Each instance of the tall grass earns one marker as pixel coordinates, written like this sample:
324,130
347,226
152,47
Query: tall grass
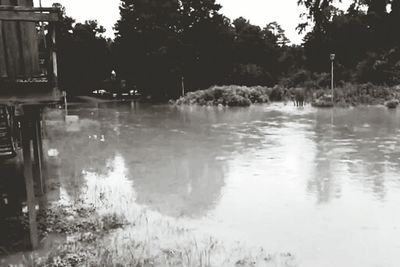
355,94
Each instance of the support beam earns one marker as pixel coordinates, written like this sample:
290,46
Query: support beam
27,8
27,16
41,153
37,153
28,175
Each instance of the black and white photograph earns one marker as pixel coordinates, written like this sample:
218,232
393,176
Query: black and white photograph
199,133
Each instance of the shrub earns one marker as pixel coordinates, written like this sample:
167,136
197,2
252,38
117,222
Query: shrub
392,103
227,96
277,94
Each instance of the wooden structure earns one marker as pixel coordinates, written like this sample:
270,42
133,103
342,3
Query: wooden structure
23,69
28,81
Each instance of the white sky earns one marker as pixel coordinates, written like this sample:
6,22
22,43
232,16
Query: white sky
259,12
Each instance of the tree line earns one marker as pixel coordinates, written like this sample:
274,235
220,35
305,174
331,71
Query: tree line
160,44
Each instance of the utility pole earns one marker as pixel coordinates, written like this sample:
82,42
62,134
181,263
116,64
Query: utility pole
332,61
183,86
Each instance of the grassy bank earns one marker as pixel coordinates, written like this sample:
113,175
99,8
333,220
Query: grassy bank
345,95
105,227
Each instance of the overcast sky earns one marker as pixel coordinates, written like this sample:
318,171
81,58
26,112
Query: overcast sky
259,12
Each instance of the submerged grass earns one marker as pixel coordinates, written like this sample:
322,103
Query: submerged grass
106,227
110,240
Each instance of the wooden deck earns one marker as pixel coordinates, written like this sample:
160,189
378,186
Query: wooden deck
28,59
32,93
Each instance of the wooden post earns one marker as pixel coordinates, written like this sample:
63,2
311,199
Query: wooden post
28,176
38,153
41,153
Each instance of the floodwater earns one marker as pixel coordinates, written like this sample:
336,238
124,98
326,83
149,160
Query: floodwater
322,184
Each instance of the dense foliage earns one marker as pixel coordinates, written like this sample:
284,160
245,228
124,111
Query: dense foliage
231,96
84,55
160,44
365,39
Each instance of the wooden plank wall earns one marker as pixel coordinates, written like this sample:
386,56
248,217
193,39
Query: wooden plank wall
12,48
19,49
29,44
3,64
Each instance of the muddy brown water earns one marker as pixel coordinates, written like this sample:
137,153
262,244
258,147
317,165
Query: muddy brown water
322,184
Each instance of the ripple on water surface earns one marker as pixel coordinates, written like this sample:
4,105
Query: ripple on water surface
288,179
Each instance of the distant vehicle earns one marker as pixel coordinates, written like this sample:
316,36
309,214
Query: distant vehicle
132,94
102,93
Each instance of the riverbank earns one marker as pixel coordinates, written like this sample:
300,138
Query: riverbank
81,234
101,225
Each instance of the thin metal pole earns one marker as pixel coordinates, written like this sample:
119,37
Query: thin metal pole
183,86
332,80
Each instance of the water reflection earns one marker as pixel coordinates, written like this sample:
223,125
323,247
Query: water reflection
178,157
298,180
360,145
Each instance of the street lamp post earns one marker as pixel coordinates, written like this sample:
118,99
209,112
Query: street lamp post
183,86
332,61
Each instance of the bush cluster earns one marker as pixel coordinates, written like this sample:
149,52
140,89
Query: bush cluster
231,96
347,94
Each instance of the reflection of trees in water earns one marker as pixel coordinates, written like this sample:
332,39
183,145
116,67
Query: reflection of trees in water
85,150
361,144
323,182
177,183
177,156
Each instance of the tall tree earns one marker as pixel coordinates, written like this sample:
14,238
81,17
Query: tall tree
276,33
84,55
207,37
147,44
319,12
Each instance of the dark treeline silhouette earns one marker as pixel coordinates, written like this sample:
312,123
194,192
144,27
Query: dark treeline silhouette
159,42
365,38
85,59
